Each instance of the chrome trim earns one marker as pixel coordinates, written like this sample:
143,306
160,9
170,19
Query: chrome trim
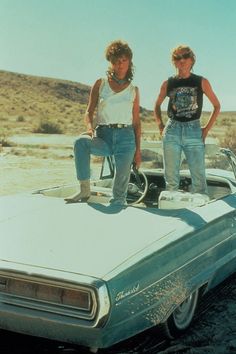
231,158
141,290
104,306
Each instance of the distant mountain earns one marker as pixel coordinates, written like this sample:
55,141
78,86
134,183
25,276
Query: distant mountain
26,99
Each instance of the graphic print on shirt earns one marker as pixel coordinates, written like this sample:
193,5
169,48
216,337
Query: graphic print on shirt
184,101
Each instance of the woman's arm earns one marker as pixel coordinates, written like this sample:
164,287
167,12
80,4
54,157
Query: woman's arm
157,110
137,128
207,89
92,104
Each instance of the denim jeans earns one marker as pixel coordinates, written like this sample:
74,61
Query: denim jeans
184,137
119,142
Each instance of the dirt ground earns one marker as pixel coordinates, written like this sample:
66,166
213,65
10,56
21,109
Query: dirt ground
41,162
21,174
36,162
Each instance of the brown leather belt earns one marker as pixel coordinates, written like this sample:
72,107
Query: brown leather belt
118,125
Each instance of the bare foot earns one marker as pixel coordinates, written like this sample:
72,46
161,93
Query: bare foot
77,198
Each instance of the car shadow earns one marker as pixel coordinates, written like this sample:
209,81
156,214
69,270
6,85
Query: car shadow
188,216
107,208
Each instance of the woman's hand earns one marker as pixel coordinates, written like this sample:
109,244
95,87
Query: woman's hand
137,158
161,127
90,132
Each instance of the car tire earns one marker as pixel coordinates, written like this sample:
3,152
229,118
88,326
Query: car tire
182,317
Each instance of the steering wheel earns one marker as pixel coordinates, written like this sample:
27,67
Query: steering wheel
137,187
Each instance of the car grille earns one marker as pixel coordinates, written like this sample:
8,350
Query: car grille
51,296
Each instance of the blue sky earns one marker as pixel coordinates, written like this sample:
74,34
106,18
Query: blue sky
66,39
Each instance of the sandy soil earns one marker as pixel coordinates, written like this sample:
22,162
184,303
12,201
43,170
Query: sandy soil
36,162
19,174
27,169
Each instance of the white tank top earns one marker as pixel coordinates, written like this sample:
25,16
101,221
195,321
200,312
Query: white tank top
115,107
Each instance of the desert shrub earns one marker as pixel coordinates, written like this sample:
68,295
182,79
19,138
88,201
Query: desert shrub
4,139
4,119
226,119
218,162
20,119
229,139
47,126
44,147
19,152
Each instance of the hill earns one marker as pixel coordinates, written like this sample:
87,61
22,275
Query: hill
27,102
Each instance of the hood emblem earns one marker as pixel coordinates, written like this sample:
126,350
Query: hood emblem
124,293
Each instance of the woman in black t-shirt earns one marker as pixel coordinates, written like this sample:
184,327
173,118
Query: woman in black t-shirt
183,132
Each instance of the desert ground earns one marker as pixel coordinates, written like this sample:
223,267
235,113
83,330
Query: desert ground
36,162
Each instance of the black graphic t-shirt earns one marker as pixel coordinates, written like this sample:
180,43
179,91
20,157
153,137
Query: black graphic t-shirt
185,98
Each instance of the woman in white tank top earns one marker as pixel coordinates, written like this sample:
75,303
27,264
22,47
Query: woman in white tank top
117,130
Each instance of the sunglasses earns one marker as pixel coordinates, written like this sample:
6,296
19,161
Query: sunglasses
182,56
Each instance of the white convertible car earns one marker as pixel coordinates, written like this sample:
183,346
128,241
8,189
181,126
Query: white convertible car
95,275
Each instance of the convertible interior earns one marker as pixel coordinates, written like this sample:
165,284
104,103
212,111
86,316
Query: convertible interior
147,185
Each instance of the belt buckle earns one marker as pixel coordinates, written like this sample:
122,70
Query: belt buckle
119,125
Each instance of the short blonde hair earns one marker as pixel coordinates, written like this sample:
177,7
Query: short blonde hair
182,49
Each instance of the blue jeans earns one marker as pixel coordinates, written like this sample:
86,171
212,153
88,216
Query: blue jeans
119,142
184,137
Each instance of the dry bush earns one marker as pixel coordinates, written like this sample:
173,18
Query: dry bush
44,147
229,139
20,118
4,139
47,126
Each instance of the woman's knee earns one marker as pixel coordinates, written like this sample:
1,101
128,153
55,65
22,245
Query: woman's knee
82,141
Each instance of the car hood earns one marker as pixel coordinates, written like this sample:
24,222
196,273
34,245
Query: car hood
87,239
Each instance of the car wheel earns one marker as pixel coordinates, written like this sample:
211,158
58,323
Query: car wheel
182,316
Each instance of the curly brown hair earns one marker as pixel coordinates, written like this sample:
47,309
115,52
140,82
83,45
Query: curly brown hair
117,49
